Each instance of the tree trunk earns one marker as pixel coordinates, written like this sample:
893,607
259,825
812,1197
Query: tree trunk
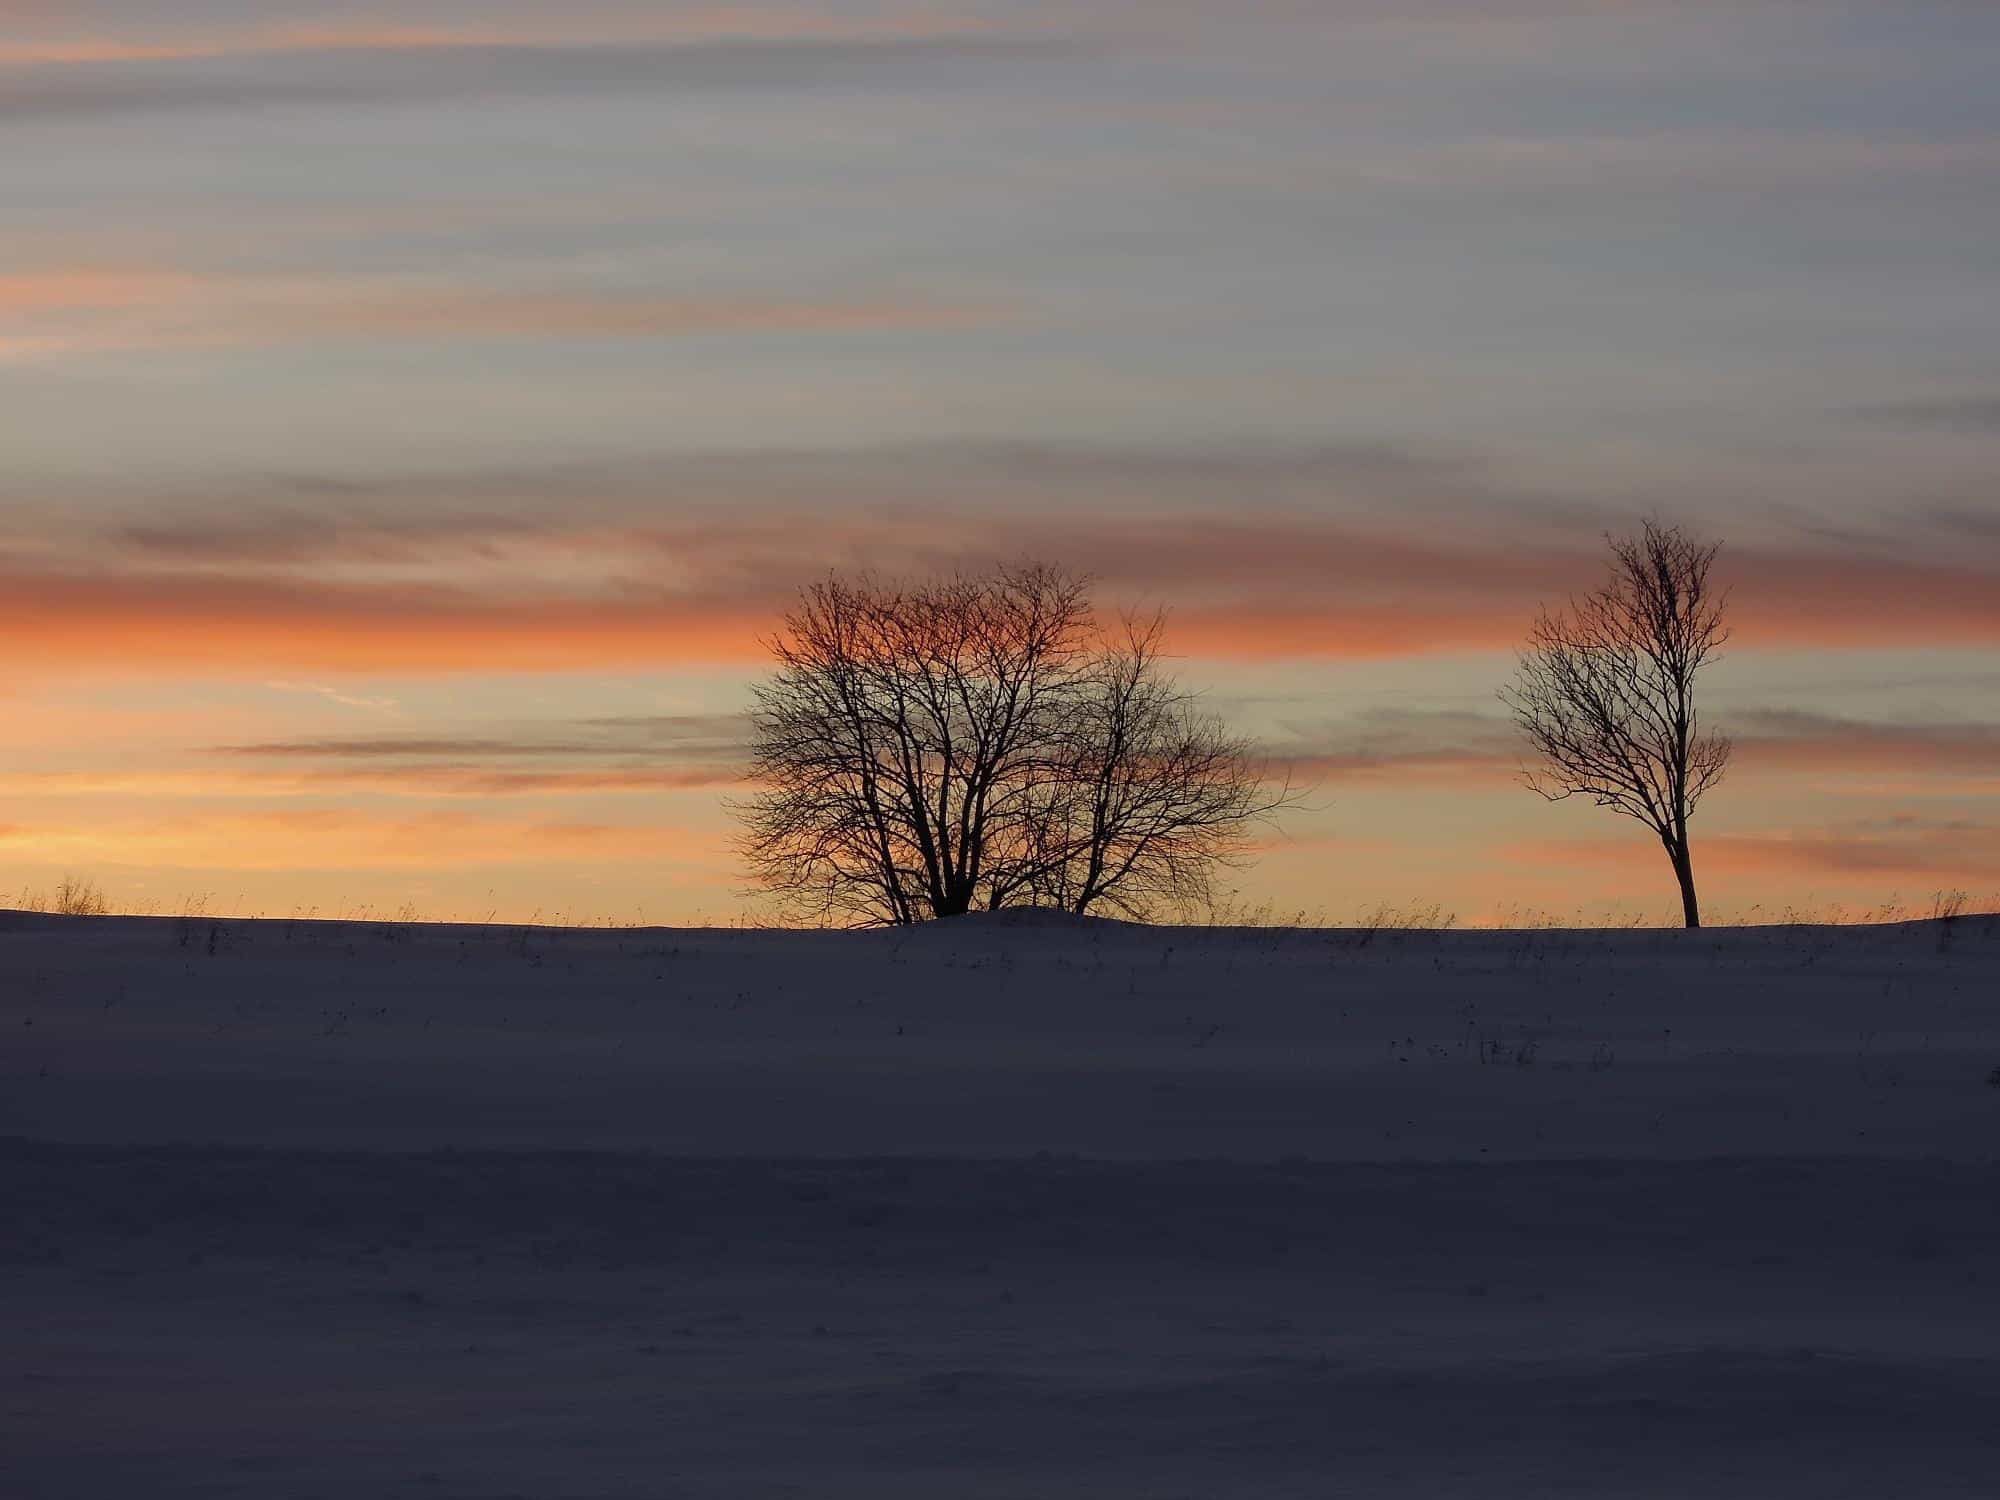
1684,873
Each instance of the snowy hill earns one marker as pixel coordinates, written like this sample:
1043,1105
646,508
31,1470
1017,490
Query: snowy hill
1008,1206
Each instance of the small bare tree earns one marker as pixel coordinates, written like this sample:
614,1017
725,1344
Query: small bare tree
1606,691
973,742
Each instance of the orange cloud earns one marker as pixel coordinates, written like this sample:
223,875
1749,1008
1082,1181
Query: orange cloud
437,591
146,625
142,625
89,288
310,838
1817,599
54,312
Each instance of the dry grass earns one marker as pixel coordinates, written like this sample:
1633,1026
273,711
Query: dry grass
82,896
73,896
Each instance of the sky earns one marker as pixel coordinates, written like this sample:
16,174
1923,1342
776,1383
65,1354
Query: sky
412,417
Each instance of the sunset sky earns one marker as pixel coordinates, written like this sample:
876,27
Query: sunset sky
411,416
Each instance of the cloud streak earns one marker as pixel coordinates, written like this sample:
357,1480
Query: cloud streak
1394,742
636,753
690,582
1802,741
335,70
1974,415
666,733
143,38
59,312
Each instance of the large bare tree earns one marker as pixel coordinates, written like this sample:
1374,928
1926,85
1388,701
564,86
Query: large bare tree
1605,693
975,742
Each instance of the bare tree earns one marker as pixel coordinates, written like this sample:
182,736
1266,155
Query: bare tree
1155,794
1606,691
928,749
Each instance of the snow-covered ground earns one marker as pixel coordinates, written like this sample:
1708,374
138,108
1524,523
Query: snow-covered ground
1000,1208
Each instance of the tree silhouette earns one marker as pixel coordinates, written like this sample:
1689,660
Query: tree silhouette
1605,691
1155,794
976,741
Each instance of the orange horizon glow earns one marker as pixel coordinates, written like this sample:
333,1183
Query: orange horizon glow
418,418
343,838
1924,860
181,623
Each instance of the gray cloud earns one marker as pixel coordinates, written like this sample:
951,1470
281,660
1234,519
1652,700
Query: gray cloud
1983,525
621,754
974,485
710,735
1388,739
1397,740
1794,738
1970,414
322,533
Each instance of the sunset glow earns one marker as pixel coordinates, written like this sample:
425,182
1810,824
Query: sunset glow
416,418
